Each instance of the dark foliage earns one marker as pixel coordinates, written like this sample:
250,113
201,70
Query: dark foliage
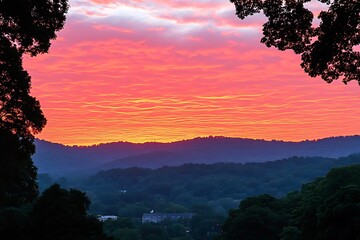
326,50
17,172
327,208
30,25
210,191
25,27
60,214
258,218
15,223
131,192
130,229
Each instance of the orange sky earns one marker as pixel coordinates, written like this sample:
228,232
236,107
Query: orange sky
141,70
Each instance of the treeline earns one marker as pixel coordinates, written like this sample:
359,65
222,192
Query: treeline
210,191
58,214
134,191
325,209
204,225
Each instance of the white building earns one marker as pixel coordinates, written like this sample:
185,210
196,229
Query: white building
107,217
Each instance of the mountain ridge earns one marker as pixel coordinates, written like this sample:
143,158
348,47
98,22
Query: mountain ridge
196,138
58,158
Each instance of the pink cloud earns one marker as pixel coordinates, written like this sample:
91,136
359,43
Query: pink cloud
103,1
136,78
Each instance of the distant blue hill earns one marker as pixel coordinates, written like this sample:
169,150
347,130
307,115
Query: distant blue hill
57,159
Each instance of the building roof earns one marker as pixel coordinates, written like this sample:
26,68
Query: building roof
157,217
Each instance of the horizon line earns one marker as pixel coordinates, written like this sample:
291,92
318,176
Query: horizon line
200,137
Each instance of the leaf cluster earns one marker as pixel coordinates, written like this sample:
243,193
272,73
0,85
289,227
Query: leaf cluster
327,50
30,25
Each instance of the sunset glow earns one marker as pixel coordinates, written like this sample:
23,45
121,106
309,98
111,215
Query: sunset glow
141,70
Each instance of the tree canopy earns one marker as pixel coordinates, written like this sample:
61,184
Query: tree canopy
327,208
29,25
62,215
26,27
327,50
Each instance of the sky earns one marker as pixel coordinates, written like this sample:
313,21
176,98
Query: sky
159,70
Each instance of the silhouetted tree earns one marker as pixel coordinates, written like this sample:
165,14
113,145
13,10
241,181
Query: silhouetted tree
327,50
30,25
17,172
26,27
258,218
62,215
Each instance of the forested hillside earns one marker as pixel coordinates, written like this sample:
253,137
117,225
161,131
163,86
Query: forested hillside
134,191
210,191
325,209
